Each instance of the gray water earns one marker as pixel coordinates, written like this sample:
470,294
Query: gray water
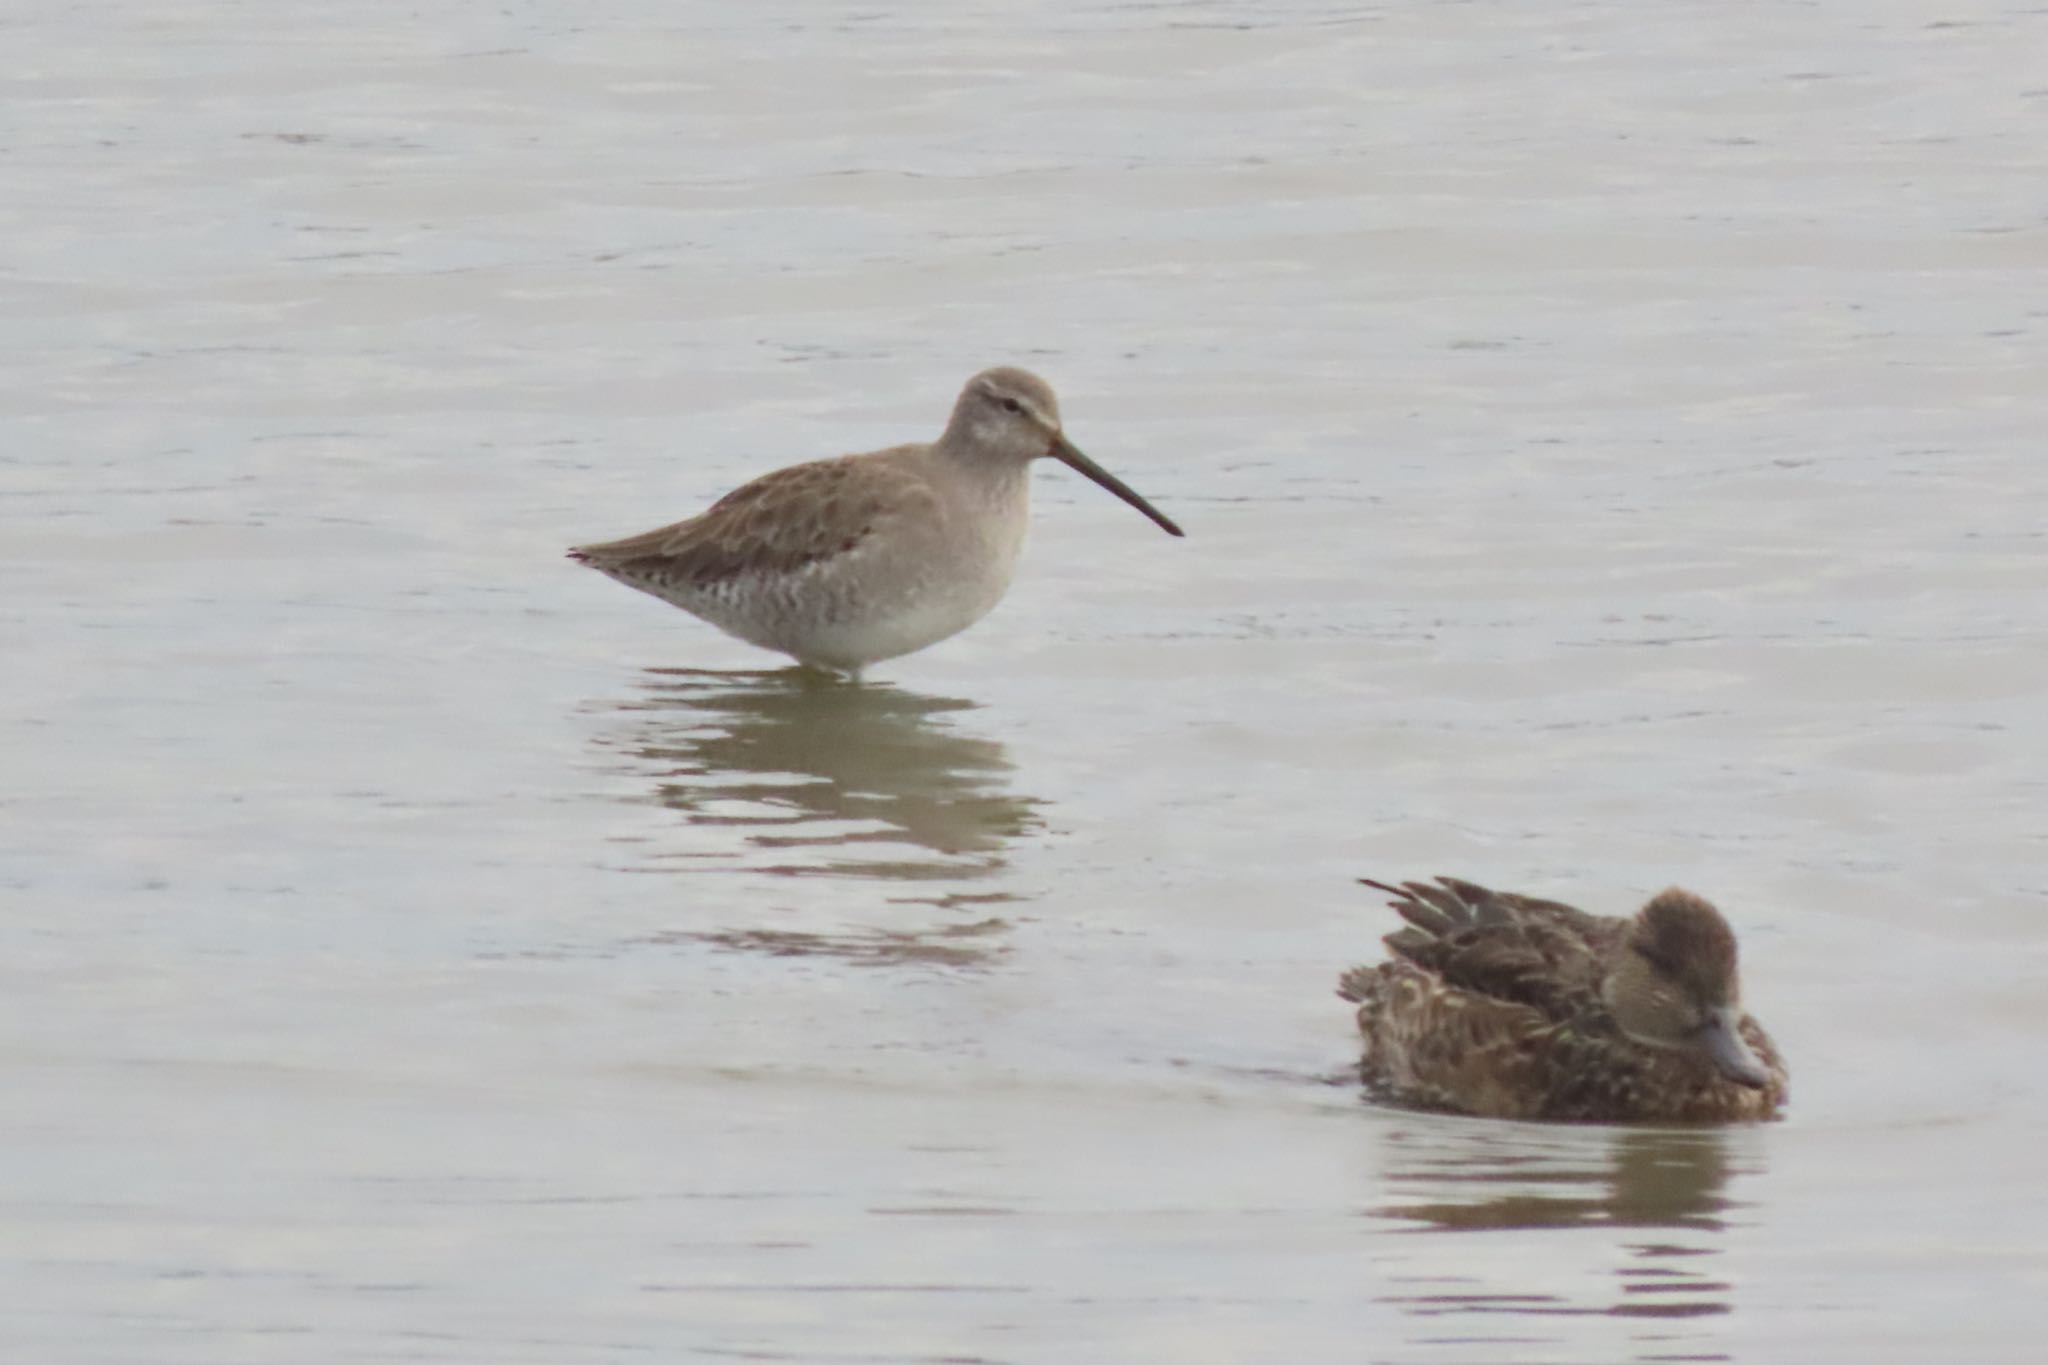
1610,440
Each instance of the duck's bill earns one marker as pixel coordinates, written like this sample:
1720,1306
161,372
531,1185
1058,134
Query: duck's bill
1725,1045
1064,451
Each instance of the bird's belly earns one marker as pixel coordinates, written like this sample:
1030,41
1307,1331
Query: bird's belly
866,638
837,616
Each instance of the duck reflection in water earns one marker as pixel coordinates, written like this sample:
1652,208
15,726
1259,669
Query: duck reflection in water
791,773
1659,1192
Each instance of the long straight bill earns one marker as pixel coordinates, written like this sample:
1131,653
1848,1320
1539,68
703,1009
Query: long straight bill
1065,452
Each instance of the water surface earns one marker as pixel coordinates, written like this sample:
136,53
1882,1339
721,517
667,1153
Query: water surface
1609,442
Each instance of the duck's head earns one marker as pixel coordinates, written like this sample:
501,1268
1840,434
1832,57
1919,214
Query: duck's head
1675,986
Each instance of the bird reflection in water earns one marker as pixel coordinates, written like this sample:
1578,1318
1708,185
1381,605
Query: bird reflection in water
791,773
1658,1193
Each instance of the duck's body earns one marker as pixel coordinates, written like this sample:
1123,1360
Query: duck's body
1513,1007
844,562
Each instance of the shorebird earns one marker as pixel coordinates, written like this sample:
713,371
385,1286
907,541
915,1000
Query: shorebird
1514,1007
843,562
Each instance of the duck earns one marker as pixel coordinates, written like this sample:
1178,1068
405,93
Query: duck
1509,1006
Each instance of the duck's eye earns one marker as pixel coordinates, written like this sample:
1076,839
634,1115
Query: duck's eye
1012,405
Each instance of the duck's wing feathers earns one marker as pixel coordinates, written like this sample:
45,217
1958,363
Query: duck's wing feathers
1501,946
779,523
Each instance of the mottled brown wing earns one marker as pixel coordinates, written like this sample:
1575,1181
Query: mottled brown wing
1516,949
777,524
1530,964
1428,1043
1507,904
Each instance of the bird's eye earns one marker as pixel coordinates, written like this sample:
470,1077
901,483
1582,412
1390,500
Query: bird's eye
1012,405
